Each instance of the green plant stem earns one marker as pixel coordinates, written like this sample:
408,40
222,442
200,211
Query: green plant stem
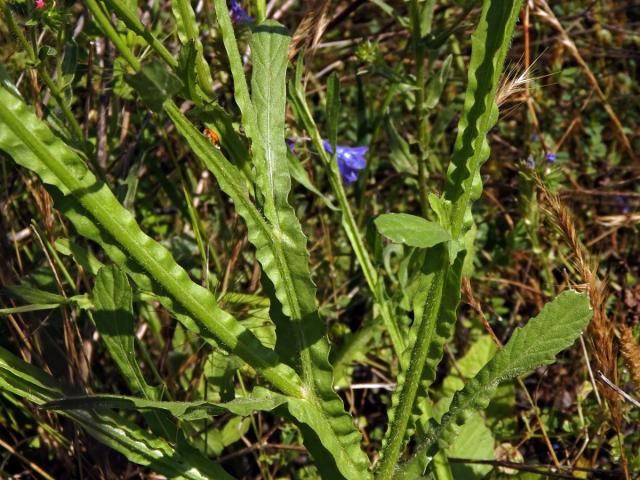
398,427
105,24
130,19
348,221
420,111
261,10
15,30
357,243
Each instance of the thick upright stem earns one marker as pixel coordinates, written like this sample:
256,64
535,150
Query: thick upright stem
420,111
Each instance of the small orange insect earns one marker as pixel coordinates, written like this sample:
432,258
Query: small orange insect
212,136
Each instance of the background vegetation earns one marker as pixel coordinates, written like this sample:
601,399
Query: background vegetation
559,208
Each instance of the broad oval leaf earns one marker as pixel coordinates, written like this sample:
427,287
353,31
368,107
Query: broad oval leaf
411,230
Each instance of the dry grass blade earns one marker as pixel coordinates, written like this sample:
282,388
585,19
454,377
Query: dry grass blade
311,28
601,328
631,353
546,15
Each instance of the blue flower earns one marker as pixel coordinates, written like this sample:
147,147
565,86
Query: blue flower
238,14
350,160
550,157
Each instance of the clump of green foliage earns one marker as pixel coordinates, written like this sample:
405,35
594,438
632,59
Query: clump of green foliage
192,262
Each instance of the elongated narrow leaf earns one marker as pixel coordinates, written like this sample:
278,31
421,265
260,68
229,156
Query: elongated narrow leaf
113,299
490,43
261,400
241,89
411,230
333,109
272,252
188,32
97,214
137,445
537,343
288,269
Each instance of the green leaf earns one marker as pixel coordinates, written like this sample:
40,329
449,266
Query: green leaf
136,444
155,84
475,442
241,89
401,157
186,70
288,268
31,294
262,400
188,34
537,343
300,175
437,83
113,299
333,109
411,230
490,43
96,214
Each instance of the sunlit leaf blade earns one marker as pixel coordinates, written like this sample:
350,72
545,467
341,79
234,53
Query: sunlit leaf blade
537,343
411,230
288,268
134,443
490,43
97,214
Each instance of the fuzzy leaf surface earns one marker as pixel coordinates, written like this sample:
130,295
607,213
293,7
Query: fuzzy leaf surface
537,343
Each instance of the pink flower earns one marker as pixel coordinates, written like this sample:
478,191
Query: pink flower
40,4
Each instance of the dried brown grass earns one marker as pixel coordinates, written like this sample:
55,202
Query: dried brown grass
630,351
311,28
601,329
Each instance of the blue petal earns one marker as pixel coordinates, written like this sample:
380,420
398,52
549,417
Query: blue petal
350,160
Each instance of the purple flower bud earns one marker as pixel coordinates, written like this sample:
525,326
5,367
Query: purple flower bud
550,157
350,160
238,14
531,163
